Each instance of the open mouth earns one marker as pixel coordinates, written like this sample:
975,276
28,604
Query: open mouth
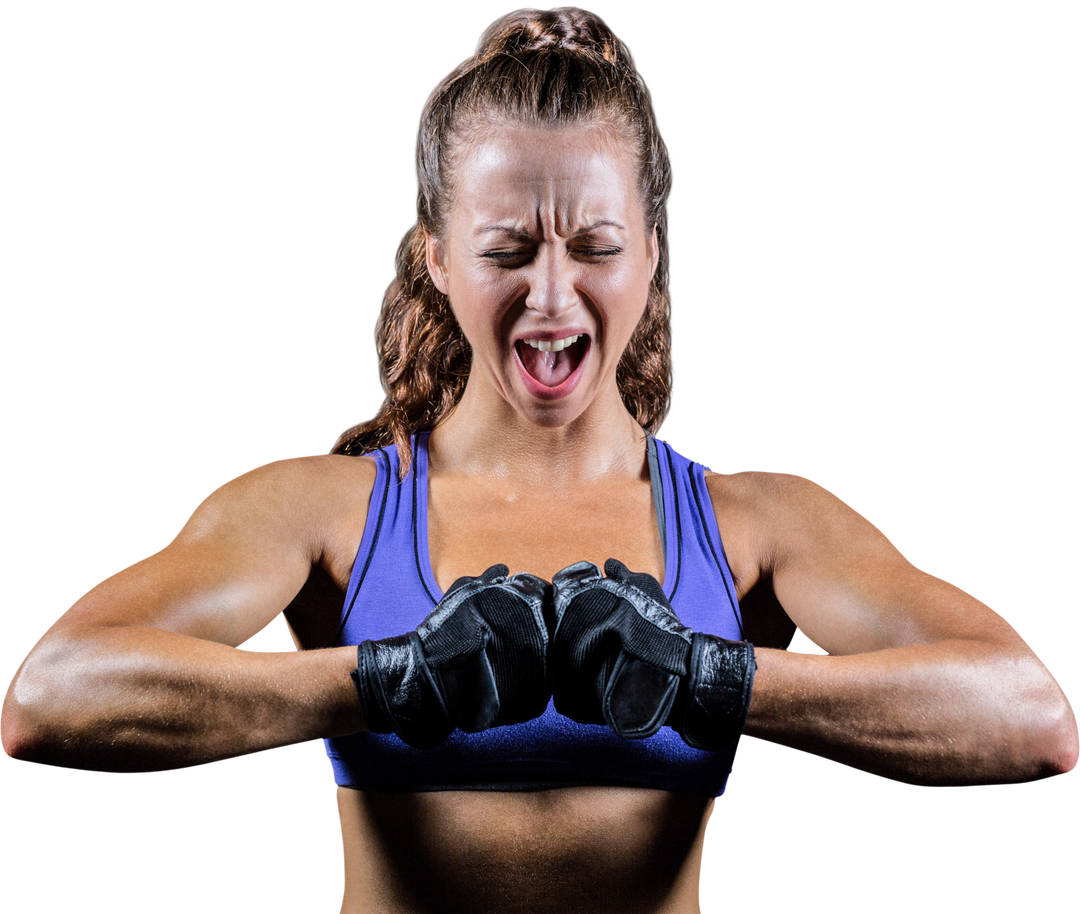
552,365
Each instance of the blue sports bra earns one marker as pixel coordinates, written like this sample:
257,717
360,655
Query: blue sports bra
393,588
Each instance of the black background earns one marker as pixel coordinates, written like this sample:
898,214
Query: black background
868,266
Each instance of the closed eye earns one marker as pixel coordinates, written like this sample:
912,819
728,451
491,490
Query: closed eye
520,258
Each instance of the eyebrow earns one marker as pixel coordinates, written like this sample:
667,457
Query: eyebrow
521,233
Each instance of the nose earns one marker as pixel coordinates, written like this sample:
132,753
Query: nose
552,285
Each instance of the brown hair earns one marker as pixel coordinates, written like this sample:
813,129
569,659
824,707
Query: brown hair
559,67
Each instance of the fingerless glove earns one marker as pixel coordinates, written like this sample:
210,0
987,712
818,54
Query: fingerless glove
620,656
478,660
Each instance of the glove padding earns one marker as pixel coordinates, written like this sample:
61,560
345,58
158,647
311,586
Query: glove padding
478,660
620,656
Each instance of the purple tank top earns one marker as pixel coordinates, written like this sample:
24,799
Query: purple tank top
393,588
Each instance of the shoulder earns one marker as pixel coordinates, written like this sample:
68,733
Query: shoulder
778,494
751,506
834,574
312,498
294,485
767,518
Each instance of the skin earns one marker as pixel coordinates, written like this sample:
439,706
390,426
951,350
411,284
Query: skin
547,247
922,682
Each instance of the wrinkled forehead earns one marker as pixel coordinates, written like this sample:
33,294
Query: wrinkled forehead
522,173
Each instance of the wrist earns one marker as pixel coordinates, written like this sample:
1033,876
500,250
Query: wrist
715,698
399,693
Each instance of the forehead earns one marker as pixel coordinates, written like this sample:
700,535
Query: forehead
526,173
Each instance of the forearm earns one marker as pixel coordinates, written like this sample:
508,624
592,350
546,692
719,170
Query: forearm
136,698
949,712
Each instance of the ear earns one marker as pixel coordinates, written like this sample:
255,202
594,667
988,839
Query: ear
434,256
654,249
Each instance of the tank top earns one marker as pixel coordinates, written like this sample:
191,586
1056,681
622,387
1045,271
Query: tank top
392,589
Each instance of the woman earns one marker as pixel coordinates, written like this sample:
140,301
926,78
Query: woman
586,267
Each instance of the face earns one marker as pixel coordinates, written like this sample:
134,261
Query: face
547,263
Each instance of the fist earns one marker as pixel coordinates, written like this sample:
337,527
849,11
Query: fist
478,660
618,652
620,656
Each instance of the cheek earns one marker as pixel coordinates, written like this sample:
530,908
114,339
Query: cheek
480,301
627,294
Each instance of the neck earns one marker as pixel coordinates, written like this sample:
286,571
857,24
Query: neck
485,436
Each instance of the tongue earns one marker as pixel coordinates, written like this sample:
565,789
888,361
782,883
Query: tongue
549,368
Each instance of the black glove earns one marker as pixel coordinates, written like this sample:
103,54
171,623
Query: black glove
478,660
620,656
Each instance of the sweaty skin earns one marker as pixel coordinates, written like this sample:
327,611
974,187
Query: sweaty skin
546,240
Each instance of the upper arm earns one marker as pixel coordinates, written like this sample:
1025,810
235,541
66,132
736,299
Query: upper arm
837,577
241,559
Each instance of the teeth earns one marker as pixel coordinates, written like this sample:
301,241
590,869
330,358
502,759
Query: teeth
552,345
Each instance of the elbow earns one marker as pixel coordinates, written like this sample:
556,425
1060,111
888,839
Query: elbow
12,724
1065,759
22,725
1022,727
35,724
1063,738
1046,726
1057,754
1058,743
20,737
12,733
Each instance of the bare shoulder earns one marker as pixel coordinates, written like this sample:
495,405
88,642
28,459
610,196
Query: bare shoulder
763,515
760,489
316,505
282,498
776,514
291,486
246,553
834,573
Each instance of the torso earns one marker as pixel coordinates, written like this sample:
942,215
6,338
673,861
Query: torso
578,848
471,528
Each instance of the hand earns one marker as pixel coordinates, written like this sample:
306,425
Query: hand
620,656
478,660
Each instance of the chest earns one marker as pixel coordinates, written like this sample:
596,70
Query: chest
469,528
541,530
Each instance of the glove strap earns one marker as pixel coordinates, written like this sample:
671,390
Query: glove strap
719,684
399,693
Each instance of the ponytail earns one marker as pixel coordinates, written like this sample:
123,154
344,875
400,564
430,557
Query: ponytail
424,357
561,67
